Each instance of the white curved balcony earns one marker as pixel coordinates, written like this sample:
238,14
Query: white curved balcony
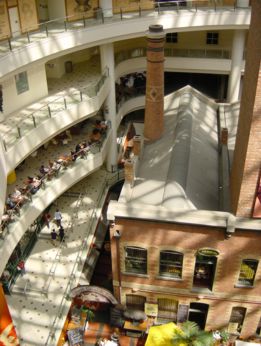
48,124
45,196
189,19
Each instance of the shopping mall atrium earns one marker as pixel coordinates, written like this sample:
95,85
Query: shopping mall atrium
130,142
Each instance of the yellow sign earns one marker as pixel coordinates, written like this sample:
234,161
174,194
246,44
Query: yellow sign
151,309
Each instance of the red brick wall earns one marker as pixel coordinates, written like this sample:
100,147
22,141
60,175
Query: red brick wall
155,236
246,163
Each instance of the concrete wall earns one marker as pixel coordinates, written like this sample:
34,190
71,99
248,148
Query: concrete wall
12,101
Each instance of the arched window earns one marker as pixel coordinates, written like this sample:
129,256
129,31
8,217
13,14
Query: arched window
171,264
247,272
135,260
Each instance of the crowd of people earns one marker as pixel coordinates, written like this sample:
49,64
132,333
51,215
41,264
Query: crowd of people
133,84
32,184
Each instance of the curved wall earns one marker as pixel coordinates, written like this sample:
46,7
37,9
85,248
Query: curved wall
44,197
67,42
52,126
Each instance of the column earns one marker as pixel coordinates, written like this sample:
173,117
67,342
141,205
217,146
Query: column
154,102
236,66
107,59
107,7
246,162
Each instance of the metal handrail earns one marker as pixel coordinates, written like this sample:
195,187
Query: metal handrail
100,16
49,112
94,217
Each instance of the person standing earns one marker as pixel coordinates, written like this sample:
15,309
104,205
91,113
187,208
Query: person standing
58,217
54,237
61,233
21,267
47,219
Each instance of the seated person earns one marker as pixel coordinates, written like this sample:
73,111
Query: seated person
85,148
34,184
43,170
95,136
101,126
18,198
65,160
56,166
10,204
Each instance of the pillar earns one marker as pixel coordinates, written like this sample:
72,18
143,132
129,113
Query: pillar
236,66
107,60
107,7
246,161
154,103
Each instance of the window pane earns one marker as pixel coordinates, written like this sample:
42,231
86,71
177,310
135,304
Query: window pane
136,260
212,38
171,264
247,272
236,319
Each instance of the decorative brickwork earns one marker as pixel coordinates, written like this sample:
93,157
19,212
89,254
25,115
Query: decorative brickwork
154,108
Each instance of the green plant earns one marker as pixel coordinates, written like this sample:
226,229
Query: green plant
191,335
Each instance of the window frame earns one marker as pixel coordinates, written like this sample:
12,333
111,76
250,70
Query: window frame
212,38
172,37
176,265
136,260
242,282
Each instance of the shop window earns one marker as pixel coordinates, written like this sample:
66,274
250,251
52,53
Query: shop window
135,302
135,260
171,264
247,272
236,320
212,38
172,37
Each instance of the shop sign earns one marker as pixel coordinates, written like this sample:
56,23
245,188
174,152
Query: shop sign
207,252
151,309
76,336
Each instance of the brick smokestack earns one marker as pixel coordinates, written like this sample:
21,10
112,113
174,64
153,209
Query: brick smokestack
154,107
247,156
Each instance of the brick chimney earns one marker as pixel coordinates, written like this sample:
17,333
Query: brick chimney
154,104
247,156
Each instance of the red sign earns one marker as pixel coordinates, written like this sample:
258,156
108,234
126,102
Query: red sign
8,335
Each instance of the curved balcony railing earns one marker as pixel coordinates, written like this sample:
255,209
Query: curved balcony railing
51,189
99,16
50,110
63,308
174,52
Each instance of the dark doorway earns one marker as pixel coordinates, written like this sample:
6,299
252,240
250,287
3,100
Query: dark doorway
204,273
198,313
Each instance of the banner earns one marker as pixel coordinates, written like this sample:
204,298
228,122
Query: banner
8,335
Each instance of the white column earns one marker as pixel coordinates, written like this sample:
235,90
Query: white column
107,59
107,7
236,66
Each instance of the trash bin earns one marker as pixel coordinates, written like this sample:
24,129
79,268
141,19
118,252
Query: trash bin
68,66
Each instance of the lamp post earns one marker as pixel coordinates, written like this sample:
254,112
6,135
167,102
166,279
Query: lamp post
117,237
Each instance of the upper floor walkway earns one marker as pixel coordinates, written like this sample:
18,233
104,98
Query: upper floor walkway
59,36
